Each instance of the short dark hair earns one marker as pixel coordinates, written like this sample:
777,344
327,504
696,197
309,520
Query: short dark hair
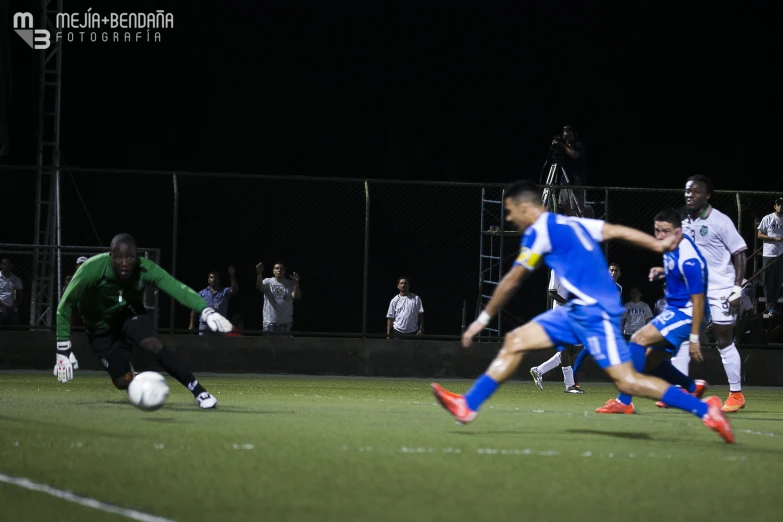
779,201
570,128
214,272
278,263
704,179
122,239
408,279
523,190
669,215
614,264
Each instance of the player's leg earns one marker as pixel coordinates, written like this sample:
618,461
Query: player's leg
580,359
114,355
545,330
140,331
567,355
722,329
537,372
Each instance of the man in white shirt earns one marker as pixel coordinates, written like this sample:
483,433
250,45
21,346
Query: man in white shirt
406,313
10,294
638,314
660,304
562,357
279,296
725,252
770,231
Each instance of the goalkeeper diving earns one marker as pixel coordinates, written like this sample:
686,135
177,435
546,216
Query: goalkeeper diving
108,290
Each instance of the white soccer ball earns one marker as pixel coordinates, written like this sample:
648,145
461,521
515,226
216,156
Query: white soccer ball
148,391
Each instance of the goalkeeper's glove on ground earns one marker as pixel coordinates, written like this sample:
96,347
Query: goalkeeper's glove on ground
66,362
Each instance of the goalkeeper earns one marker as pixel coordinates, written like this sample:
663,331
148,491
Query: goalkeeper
108,290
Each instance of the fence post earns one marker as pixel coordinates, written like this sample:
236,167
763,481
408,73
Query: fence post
606,218
366,255
174,231
739,214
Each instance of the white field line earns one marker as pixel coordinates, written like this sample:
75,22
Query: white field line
78,499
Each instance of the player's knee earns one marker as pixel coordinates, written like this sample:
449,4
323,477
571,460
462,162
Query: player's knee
151,344
122,383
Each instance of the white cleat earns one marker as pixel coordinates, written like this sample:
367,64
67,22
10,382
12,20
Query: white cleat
206,401
537,376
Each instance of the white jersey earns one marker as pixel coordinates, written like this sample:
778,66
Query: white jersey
717,239
772,226
557,286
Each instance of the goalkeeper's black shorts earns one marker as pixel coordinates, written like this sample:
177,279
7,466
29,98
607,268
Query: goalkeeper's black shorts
114,346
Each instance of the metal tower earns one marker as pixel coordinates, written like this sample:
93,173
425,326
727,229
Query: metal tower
47,283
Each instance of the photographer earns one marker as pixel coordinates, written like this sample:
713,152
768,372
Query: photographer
568,152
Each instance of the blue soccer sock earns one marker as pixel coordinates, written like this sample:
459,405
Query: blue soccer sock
676,398
672,375
579,360
639,358
481,390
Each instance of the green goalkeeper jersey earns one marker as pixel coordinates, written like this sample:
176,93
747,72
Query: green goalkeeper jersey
104,300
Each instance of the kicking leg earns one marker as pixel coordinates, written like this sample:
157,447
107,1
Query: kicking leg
629,381
537,372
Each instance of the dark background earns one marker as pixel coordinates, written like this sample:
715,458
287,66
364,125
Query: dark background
401,91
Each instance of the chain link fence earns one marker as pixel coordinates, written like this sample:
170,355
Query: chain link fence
349,240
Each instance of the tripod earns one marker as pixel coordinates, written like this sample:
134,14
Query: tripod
556,171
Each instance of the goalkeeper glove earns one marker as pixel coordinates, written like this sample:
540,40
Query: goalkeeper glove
215,321
66,362
736,293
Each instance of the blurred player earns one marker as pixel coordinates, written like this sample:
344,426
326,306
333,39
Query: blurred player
722,246
591,317
108,290
614,271
685,270
563,355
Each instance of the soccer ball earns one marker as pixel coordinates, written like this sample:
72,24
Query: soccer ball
148,391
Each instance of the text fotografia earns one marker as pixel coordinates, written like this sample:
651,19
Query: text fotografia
94,27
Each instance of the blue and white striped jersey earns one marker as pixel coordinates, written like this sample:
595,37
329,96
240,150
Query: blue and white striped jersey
569,246
686,275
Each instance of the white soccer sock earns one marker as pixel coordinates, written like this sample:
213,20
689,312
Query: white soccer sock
683,358
568,376
732,364
554,362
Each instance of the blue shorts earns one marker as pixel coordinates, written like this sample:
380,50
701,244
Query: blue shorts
674,326
590,326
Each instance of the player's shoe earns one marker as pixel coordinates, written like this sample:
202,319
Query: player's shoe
735,402
716,420
701,388
615,406
538,377
206,401
574,389
454,403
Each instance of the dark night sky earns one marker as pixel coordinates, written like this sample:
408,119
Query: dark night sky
464,92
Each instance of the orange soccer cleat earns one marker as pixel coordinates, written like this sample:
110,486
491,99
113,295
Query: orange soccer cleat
735,402
717,421
454,403
615,406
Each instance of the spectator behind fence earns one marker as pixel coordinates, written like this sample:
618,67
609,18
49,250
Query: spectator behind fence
216,297
68,278
279,296
638,313
405,317
660,304
770,231
239,324
10,294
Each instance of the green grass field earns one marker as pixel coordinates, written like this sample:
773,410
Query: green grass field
309,448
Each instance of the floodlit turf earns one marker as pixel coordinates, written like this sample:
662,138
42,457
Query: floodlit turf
344,449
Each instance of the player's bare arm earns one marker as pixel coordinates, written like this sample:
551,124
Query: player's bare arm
657,273
507,288
640,239
557,297
260,277
234,285
698,301
740,260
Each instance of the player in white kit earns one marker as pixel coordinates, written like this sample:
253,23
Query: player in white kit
725,252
